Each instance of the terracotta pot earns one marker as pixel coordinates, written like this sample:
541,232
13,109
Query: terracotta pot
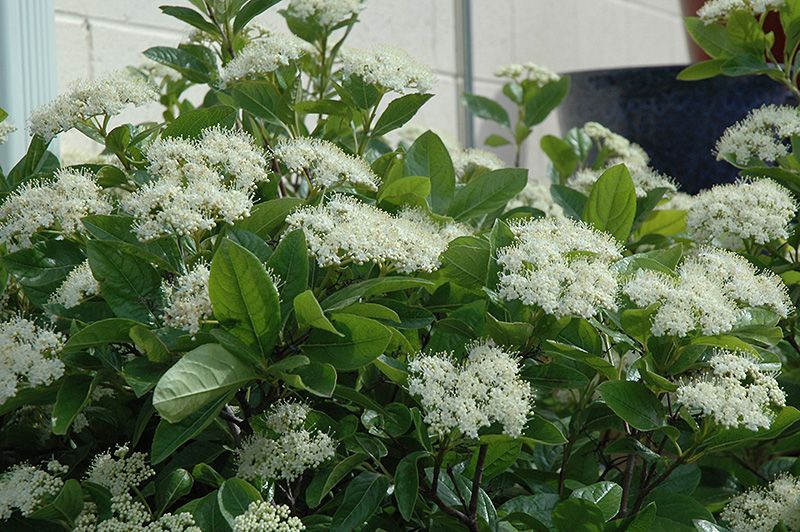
772,24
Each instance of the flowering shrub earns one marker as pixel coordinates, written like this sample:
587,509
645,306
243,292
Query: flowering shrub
264,314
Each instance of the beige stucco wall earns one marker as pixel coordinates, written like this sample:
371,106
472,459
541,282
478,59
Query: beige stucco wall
94,36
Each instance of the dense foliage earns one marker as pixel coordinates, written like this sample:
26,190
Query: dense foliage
264,313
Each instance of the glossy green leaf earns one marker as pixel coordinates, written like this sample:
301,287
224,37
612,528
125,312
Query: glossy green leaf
362,342
174,486
606,495
191,123
634,403
487,193
486,108
234,496
362,498
398,112
612,203
170,436
73,396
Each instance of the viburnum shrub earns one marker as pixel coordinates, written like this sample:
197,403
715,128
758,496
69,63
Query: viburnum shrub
266,313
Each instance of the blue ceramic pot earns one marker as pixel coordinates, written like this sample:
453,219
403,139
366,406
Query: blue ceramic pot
676,122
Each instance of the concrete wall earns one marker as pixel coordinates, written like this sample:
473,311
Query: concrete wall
94,36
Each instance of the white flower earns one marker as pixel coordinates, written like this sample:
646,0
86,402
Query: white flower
197,183
540,75
467,160
263,516
391,68
327,164
79,284
27,356
129,514
25,488
760,509
289,452
187,300
727,215
618,147
735,391
763,135
680,201
719,10
121,472
56,204
483,389
345,229
6,128
710,293
645,179
326,13
537,195
264,55
107,95
562,266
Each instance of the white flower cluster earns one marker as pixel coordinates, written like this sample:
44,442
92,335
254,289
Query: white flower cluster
197,182
264,55
326,13
537,195
107,95
391,68
326,163
680,201
79,284
760,509
540,75
27,354
621,149
762,135
468,159
25,488
483,389
563,266
187,299
719,10
345,229
57,204
129,514
6,128
263,516
727,215
120,472
735,391
644,180
287,453
710,293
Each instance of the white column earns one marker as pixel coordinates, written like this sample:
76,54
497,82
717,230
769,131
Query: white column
27,67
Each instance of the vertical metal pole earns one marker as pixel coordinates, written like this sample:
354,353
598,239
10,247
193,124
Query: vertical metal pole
27,67
464,48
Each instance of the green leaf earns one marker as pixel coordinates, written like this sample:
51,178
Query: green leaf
612,203
249,11
329,477
712,38
398,112
578,515
406,483
265,218
103,332
170,436
142,375
207,513
606,495
486,108
191,17
663,222
634,403
234,496
371,287
130,286
317,378
501,453
362,340
65,508
740,437
73,396
561,154
362,94
174,486
409,190
540,430
191,123
494,140
487,193
150,344
243,297
181,61
199,377
466,261
545,100
309,313
362,497
702,70
289,262
572,201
